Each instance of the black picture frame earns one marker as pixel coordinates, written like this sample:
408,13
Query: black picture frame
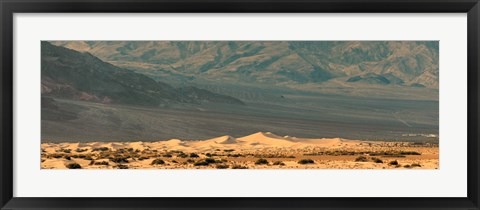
9,7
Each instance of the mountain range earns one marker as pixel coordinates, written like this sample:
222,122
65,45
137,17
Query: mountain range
298,64
70,74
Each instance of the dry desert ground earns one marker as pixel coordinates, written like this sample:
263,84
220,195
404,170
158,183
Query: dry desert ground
262,150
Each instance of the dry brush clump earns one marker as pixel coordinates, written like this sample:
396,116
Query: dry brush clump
261,161
120,166
119,159
105,163
361,159
79,150
222,166
158,162
377,160
278,163
101,149
306,161
201,163
73,166
393,163
239,167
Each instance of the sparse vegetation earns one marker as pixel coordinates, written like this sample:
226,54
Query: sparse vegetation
119,159
222,166
143,158
210,160
261,161
100,149
416,165
377,160
361,159
105,163
306,161
158,162
120,166
80,150
393,163
279,163
201,163
182,155
73,166
239,167
194,155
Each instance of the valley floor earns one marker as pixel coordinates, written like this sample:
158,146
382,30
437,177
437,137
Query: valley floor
262,150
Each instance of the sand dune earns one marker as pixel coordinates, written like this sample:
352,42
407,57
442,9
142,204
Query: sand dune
244,151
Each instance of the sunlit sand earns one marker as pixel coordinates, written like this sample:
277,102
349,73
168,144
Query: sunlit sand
262,150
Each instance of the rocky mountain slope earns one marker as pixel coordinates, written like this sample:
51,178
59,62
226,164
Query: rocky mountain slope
70,74
289,63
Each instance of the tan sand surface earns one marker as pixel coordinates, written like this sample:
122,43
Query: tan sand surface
262,150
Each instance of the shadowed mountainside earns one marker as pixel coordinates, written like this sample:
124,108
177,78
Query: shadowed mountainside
81,76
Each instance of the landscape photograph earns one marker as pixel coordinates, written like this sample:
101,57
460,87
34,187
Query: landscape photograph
212,105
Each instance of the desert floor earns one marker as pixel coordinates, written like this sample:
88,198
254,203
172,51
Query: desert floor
262,150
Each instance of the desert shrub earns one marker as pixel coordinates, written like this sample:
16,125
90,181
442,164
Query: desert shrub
306,161
239,167
190,161
56,155
119,159
167,155
377,160
68,157
407,166
393,163
194,155
105,163
416,165
143,158
201,163
67,150
182,155
234,155
80,150
280,163
208,155
88,158
174,161
100,149
73,166
221,166
210,160
394,156
158,162
261,161
131,149
361,159
290,156
120,166
409,153
228,150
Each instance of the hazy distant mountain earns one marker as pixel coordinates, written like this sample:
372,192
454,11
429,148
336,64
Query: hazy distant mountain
70,74
297,63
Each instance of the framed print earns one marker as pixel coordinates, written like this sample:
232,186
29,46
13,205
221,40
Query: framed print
239,105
